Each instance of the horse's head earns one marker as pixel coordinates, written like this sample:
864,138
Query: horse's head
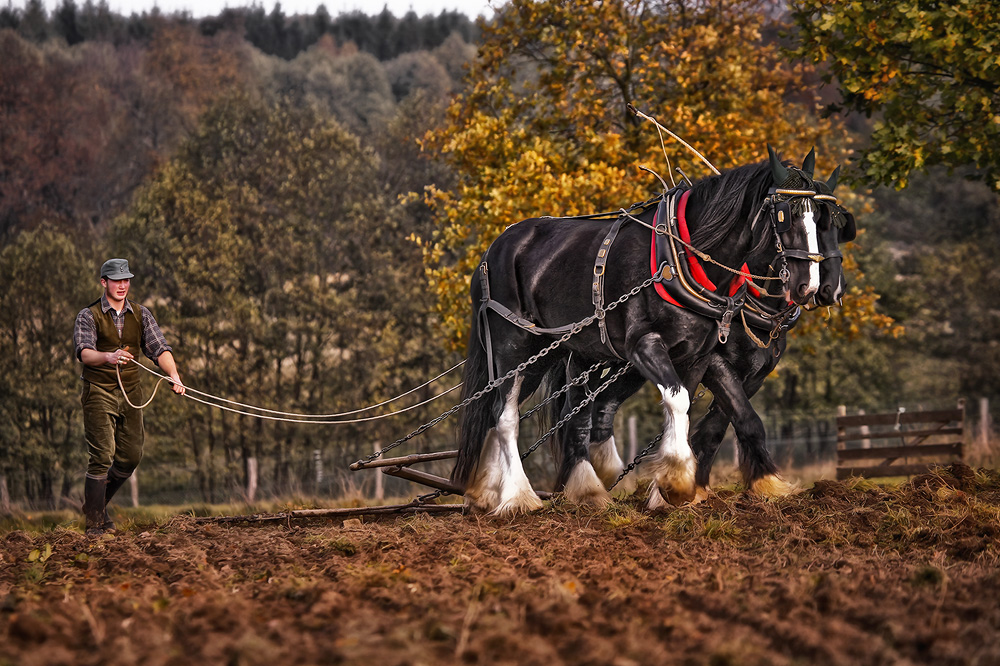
836,225
808,225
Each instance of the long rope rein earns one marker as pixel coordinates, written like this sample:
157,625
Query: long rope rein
700,254
118,372
274,415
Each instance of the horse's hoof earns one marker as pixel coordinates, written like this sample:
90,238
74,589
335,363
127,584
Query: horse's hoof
595,500
585,488
667,499
480,500
671,491
678,496
701,493
627,486
476,509
522,503
657,502
772,485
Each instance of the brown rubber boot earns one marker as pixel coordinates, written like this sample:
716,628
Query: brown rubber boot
93,505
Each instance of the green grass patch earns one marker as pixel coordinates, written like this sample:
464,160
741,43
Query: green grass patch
619,516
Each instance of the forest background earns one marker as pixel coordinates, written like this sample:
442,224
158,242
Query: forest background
303,198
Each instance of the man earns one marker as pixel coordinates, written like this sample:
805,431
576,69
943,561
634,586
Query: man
105,333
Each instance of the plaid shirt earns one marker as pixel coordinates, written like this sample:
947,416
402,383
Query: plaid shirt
85,330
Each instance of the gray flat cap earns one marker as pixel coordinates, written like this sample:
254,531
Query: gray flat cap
116,269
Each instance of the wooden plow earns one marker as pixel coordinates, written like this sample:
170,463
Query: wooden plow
400,467
397,467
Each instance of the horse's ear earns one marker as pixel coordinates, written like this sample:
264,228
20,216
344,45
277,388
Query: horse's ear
778,170
832,183
809,163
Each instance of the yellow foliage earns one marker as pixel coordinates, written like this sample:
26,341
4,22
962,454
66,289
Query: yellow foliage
543,127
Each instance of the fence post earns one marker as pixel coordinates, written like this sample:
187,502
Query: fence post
133,487
633,438
841,411
318,463
251,479
865,443
984,426
379,488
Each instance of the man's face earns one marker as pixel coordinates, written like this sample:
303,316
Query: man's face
116,290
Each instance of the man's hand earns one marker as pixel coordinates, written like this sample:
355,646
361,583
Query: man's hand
119,357
178,385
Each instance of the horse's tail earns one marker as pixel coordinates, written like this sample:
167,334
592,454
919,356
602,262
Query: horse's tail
478,416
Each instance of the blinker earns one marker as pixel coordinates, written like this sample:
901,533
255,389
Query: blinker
849,231
782,216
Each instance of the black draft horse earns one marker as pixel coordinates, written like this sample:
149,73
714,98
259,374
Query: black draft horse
737,370
541,270
733,372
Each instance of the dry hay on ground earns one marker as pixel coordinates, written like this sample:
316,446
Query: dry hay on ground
844,573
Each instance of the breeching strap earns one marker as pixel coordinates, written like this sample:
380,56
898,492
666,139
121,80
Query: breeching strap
487,303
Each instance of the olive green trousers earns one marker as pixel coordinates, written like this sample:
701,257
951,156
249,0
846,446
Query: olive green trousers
113,430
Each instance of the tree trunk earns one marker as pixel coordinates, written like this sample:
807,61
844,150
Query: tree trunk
5,507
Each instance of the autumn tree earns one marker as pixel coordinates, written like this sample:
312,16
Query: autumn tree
455,54
82,126
54,129
544,128
927,72
418,70
192,71
349,85
41,430
283,275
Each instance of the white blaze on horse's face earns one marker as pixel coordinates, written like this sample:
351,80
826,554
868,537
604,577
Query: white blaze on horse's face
801,242
812,238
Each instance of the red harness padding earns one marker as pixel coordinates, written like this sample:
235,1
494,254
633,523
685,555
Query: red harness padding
740,279
697,271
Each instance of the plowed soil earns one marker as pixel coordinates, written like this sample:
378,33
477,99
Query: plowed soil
842,573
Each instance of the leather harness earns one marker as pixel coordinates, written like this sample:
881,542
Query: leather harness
678,276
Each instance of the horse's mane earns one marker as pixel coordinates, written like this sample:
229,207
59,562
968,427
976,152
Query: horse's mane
728,201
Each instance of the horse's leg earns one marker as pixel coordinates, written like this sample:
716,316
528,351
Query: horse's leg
706,437
577,479
603,448
708,433
673,467
499,485
760,473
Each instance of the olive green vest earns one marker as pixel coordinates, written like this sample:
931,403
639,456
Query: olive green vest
109,341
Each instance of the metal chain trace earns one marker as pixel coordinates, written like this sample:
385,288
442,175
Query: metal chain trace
579,326
576,410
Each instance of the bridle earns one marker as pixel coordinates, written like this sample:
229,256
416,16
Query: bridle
779,208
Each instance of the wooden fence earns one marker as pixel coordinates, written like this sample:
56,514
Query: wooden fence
899,444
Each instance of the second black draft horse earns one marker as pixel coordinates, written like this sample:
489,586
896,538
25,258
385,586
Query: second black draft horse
737,370
540,272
